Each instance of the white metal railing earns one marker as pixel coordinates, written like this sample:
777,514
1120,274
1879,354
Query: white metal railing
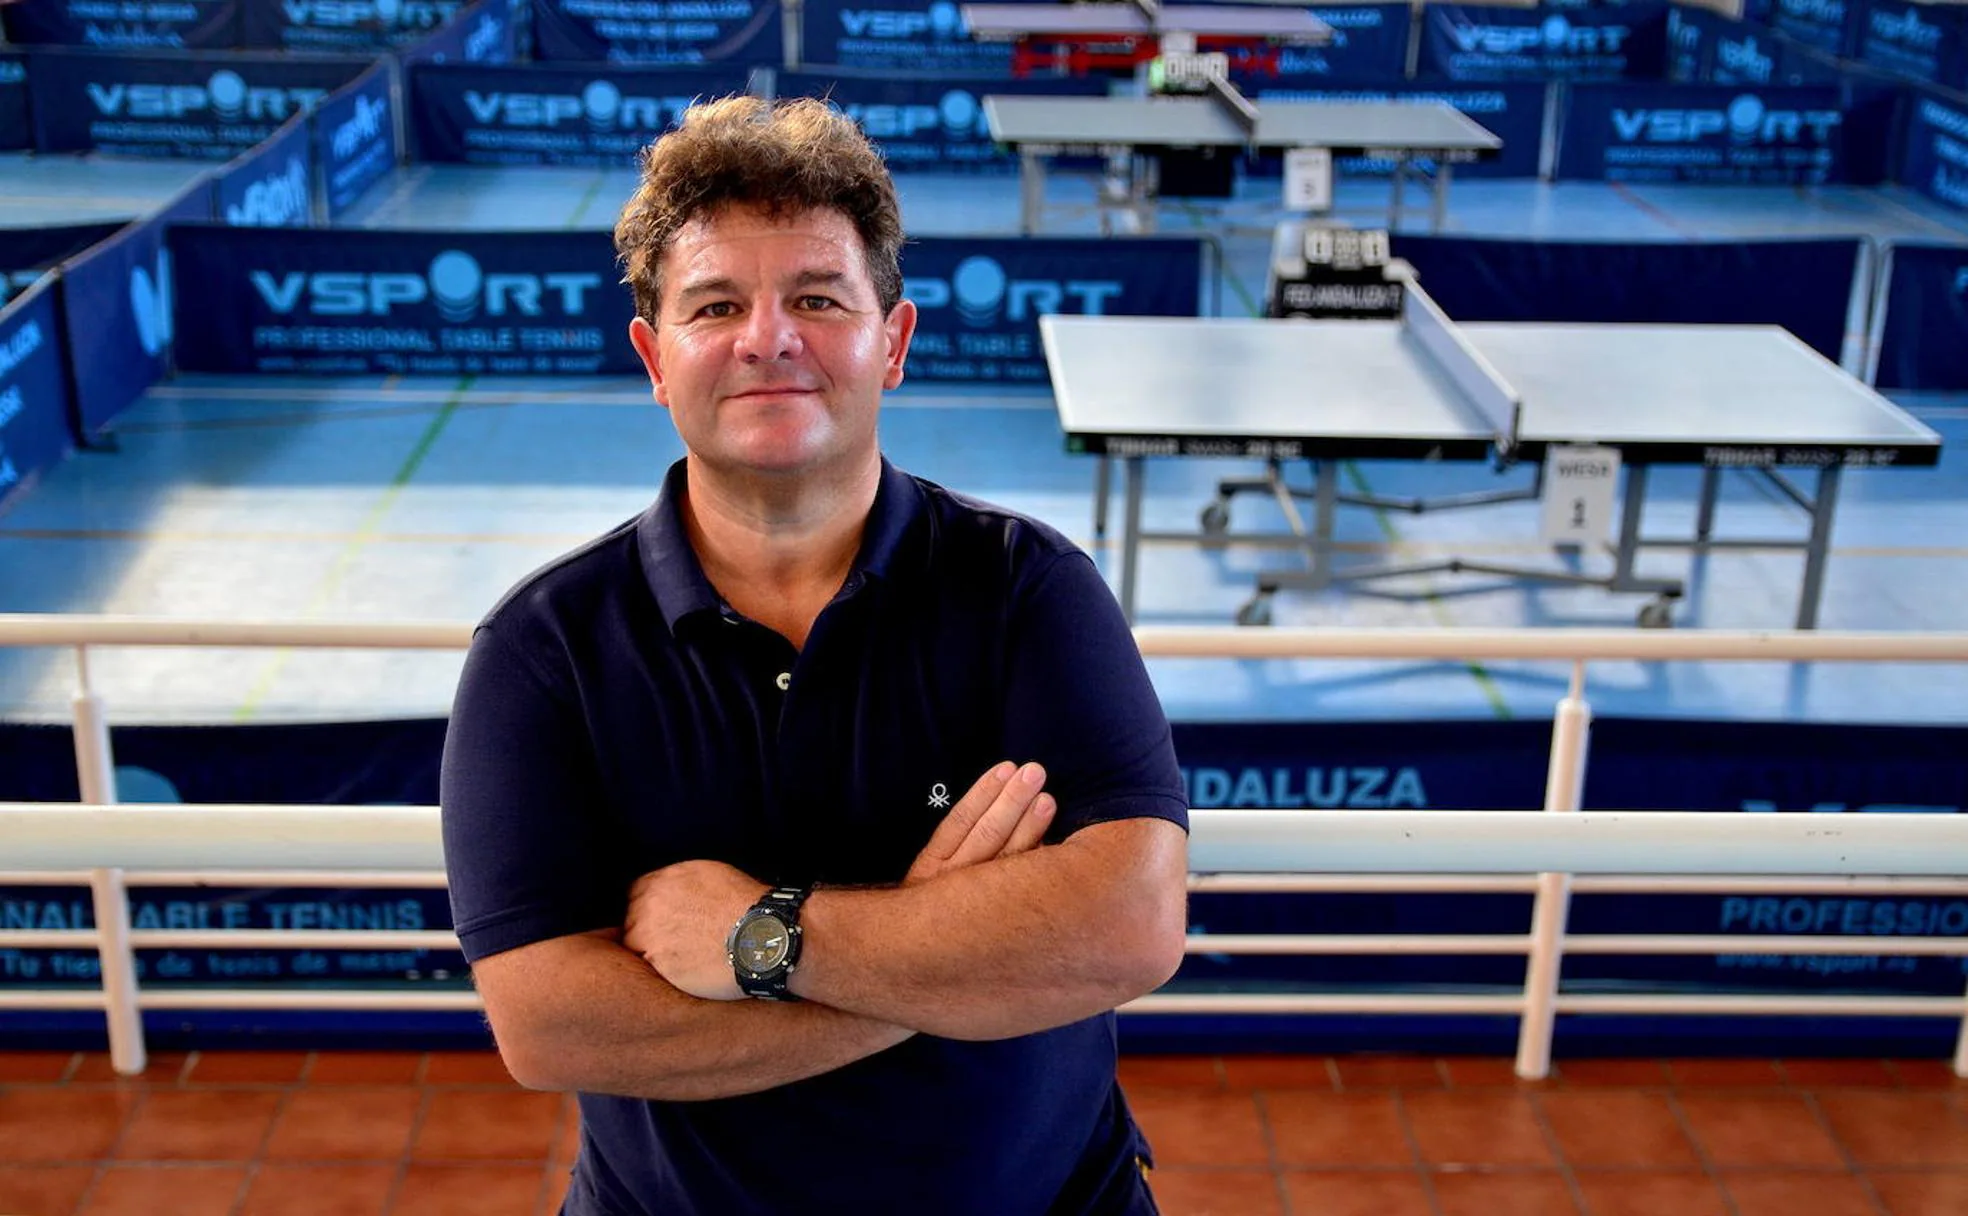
112,848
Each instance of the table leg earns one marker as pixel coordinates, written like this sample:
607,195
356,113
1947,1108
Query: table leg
1440,214
1819,548
1397,197
1131,534
1630,511
1031,192
1705,515
1103,486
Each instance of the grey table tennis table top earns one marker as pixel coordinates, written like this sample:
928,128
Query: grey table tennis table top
1191,121
1735,395
1287,24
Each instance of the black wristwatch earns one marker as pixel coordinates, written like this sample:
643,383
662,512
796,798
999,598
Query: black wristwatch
764,946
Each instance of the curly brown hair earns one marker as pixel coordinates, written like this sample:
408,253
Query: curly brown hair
786,157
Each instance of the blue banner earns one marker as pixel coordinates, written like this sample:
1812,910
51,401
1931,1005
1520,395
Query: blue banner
208,106
1708,48
487,32
355,138
1926,42
1925,340
346,27
1482,42
1934,159
1702,133
33,389
415,303
179,25
553,115
980,299
910,35
1300,768
1513,112
1369,44
16,132
273,185
929,124
1830,26
117,314
743,32
1804,286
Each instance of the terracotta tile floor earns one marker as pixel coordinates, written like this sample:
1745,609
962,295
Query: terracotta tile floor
368,1134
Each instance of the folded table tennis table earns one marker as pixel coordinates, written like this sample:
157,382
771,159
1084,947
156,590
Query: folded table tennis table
1746,397
1042,128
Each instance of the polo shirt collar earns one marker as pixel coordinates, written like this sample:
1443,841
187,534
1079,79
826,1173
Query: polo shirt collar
895,540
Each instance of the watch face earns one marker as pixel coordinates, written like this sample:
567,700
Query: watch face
762,943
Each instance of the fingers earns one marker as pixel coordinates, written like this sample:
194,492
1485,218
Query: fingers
1031,829
994,828
956,825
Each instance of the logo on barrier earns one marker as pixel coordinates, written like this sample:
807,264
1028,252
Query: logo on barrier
11,404
1961,281
1555,36
601,103
363,126
389,14
1954,122
1745,120
943,22
150,305
958,115
982,293
12,73
277,200
1907,29
15,350
226,94
484,38
455,283
1830,12
1744,60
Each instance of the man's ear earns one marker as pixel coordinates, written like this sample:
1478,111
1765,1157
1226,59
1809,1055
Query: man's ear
642,336
901,329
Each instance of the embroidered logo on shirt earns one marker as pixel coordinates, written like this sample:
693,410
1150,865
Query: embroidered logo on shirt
939,796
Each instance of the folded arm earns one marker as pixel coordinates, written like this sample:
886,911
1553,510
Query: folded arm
584,1013
1020,945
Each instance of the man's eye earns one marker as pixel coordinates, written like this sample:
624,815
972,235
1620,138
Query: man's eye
816,303
720,308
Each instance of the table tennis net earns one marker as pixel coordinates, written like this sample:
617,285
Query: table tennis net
1450,349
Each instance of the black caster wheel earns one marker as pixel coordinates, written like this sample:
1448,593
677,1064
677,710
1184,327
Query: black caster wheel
1657,615
1255,613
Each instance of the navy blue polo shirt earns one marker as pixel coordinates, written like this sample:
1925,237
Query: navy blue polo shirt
616,716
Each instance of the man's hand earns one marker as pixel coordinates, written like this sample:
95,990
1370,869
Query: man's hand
679,918
1005,813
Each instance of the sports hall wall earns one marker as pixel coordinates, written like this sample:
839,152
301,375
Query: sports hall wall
305,108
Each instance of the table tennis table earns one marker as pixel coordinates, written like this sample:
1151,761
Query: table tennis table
1746,397
1092,37
1123,129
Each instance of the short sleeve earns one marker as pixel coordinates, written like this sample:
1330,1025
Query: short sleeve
521,809
1078,700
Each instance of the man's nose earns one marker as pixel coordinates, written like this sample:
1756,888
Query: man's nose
769,334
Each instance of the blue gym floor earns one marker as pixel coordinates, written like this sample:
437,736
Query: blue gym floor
398,498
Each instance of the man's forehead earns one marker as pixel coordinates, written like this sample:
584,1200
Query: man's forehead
741,222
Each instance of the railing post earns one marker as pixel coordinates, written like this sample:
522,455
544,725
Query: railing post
1564,784
95,763
119,971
